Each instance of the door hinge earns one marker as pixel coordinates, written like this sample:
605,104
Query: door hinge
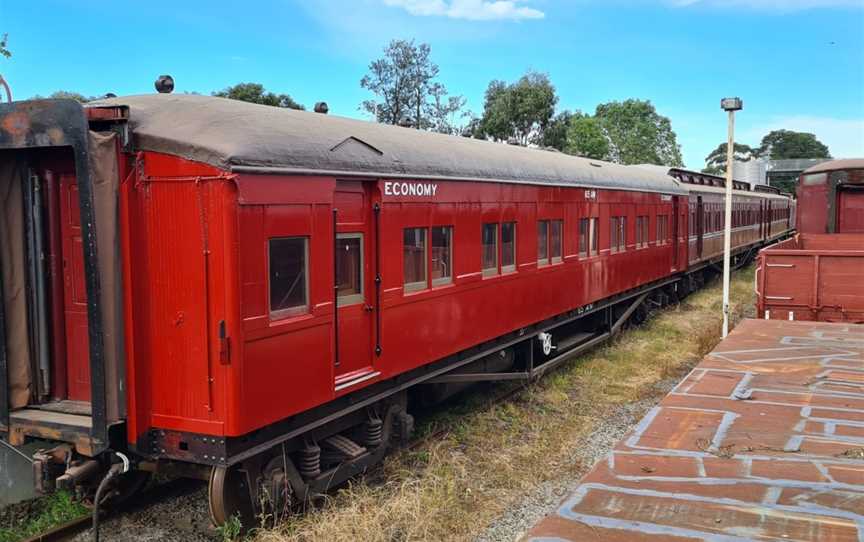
224,344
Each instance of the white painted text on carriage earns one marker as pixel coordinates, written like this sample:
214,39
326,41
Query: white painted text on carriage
395,188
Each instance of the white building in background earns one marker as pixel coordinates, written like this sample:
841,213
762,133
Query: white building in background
753,171
764,171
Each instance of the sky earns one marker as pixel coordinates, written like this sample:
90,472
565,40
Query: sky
797,64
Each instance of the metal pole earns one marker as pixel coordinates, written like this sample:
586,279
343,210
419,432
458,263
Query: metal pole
727,230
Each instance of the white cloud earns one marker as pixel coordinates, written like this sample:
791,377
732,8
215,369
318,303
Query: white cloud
844,137
770,5
474,10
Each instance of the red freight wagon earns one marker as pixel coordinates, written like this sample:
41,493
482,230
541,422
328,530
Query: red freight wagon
817,274
253,295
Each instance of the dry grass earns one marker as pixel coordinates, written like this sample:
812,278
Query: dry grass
494,453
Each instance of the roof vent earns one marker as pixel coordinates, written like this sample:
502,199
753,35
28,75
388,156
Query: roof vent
321,107
164,84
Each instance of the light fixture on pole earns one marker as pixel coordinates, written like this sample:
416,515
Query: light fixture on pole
730,105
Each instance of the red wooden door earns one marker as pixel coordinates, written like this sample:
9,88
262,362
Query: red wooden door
75,292
355,285
850,211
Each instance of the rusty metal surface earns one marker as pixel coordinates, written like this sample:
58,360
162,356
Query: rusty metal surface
764,440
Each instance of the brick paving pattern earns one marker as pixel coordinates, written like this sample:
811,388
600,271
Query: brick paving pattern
764,440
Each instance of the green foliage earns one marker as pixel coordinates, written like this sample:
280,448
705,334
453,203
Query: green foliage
67,95
776,145
787,144
44,513
231,530
555,135
520,112
628,132
255,93
637,134
4,51
785,183
407,93
715,162
585,138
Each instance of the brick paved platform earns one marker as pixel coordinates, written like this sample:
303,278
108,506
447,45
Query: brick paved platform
764,440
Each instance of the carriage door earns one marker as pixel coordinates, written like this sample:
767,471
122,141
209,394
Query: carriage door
850,210
675,233
353,268
769,219
700,226
74,292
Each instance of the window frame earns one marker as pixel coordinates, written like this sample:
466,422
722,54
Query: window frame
642,231
618,237
297,310
441,281
354,299
490,271
584,238
594,237
560,257
510,268
420,285
544,244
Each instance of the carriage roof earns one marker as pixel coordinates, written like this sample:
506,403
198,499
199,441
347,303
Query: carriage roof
244,137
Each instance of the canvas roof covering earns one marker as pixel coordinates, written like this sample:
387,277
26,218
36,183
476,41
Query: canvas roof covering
239,136
834,165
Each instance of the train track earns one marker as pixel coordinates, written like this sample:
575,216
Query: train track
74,528
153,494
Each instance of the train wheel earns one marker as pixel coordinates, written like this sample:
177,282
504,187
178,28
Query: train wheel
229,496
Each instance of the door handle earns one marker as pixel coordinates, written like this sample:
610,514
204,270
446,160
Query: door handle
368,308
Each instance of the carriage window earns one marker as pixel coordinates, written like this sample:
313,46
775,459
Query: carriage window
618,234
583,237
641,231
287,259
556,232
662,229
508,247
814,179
349,268
594,236
543,242
442,255
490,249
414,259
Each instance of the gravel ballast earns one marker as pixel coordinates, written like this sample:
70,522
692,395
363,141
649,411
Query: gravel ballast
546,497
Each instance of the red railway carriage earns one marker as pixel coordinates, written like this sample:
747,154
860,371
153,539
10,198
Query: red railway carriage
260,292
759,216
817,274
831,196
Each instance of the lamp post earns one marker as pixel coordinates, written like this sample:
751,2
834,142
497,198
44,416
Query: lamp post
730,105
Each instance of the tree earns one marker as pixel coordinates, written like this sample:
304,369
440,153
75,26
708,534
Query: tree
629,132
403,81
520,112
555,135
715,162
787,144
445,113
255,93
637,134
66,95
4,51
585,138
